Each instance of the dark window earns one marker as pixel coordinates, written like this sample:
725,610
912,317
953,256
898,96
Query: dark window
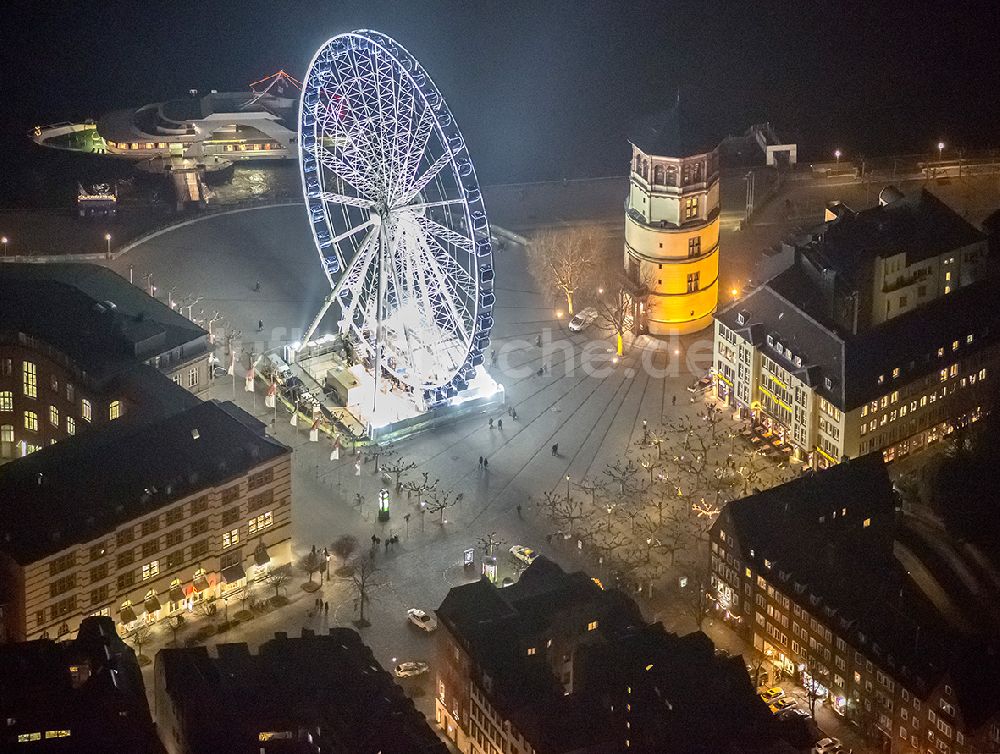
175,537
260,500
97,551
99,595
124,536
199,548
175,559
260,478
151,547
174,515
98,573
63,585
230,515
125,580
200,505
150,526
230,493
60,564
199,527
125,558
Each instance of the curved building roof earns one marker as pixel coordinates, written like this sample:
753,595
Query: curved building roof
678,131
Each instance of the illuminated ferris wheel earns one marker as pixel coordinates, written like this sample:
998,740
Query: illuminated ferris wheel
396,213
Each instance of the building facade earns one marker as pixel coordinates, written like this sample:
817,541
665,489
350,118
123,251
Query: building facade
141,521
875,332
806,573
73,340
84,695
672,225
316,693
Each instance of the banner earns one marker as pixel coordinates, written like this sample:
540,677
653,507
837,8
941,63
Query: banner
314,432
269,399
249,383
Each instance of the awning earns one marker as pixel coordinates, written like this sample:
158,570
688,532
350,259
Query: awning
128,614
152,604
176,594
260,556
200,583
233,574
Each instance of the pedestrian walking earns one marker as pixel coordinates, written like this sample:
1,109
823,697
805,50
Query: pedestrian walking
493,356
486,463
387,544
326,609
500,424
491,422
538,341
260,325
673,401
257,286
518,510
555,449
480,462
510,411
513,414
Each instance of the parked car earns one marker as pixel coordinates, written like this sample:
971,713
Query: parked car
582,320
525,554
420,619
791,713
781,704
771,694
826,745
410,669
701,385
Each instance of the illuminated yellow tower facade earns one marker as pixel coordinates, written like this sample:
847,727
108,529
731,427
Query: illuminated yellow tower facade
672,225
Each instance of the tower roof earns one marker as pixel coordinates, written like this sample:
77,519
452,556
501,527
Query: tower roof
675,132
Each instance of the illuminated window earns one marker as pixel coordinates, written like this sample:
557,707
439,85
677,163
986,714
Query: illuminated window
953,370
690,207
943,374
192,377
6,400
592,626
947,289
262,521
230,538
895,372
31,421
85,410
70,425
746,571
7,433
150,570
692,281
272,735
57,734
531,650
694,246
30,381
894,397
947,276
114,410
69,392
25,737
968,338
53,416
867,522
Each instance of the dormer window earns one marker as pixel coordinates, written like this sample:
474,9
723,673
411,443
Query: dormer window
828,383
741,318
798,361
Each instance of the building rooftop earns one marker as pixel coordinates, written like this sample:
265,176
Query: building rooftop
90,686
88,484
828,541
98,320
328,686
789,309
677,131
920,225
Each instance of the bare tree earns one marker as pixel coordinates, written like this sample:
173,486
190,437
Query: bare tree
615,308
397,468
363,581
698,602
277,578
175,623
310,563
624,475
344,547
440,500
421,488
562,260
490,541
140,635
563,510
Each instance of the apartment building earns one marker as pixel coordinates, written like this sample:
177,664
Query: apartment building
141,520
554,664
813,574
84,696
78,348
876,331
315,693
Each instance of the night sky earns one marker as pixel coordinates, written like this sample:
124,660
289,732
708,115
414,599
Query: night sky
543,89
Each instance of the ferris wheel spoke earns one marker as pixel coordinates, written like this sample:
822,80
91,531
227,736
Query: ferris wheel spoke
446,295
424,179
442,203
351,201
445,234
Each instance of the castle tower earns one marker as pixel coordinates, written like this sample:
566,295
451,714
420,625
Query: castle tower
672,224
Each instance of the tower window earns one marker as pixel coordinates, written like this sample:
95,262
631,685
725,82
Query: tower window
690,207
694,246
693,282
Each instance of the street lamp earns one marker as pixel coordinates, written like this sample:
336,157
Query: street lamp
107,238
4,240
836,154
940,149
567,488
735,292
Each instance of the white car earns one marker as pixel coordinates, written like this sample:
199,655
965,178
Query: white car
826,745
420,619
410,669
582,320
525,554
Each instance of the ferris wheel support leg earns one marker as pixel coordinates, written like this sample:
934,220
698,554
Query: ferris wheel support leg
317,319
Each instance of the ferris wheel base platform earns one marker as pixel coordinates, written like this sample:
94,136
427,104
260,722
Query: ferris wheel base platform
484,396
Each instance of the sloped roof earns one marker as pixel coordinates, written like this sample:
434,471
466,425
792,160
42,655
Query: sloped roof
678,131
